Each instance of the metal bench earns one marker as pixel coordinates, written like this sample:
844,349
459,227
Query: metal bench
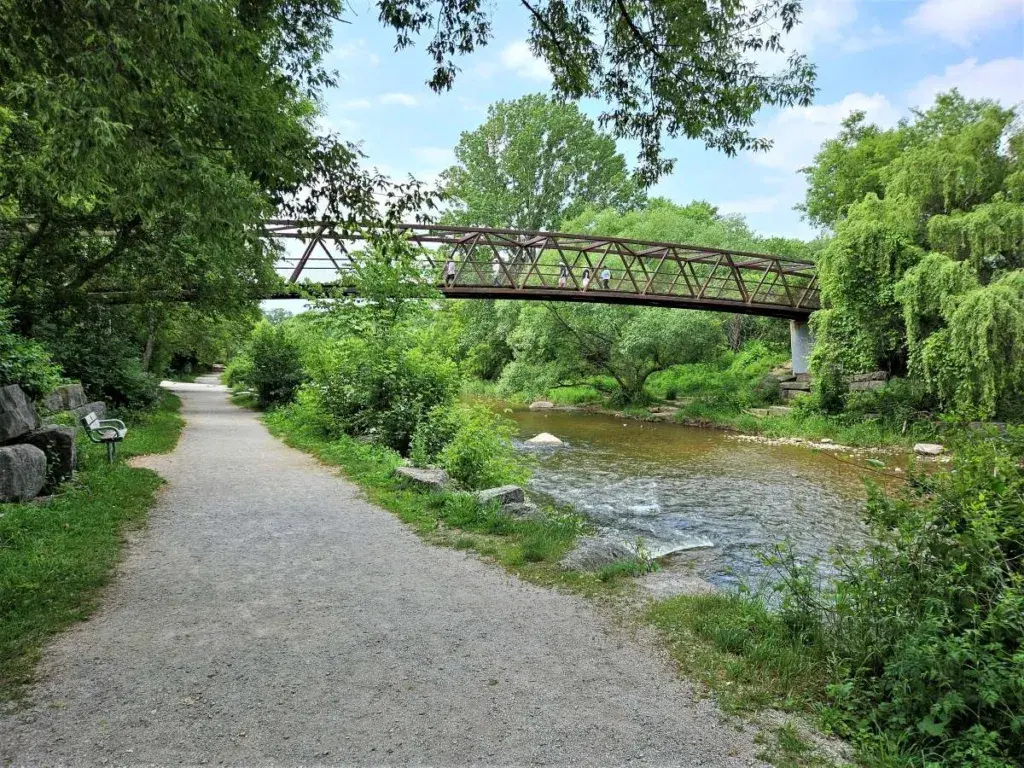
109,431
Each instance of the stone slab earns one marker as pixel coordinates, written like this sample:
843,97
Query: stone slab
779,410
796,384
505,494
541,405
22,472
929,449
871,376
17,415
758,412
867,385
99,408
426,479
58,445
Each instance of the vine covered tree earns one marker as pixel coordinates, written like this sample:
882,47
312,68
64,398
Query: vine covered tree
924,275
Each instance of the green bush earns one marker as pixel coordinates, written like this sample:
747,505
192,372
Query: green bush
380,390
925,627
25,362
433,432
276,371
481,453
898,401
238,372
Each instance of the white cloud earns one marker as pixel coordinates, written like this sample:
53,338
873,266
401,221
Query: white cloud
401,99
519,58
355,104
798,132
999,79
747,206
963,21
875,37
338,125
434,157
821,22
354,49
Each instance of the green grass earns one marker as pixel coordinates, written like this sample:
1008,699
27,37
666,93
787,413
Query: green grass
529,548
741,651
56,554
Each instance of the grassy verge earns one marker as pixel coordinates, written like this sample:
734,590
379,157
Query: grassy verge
56,554
529,548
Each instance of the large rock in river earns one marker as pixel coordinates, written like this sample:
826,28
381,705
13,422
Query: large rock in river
541,405
425,479
595,552
544,438
17,416
22,472
58,445
929,449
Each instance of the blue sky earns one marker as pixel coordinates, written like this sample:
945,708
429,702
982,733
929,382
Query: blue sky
882,56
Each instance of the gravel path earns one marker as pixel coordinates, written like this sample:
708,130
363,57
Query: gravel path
270,615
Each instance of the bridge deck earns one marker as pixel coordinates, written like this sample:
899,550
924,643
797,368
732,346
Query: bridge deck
555,266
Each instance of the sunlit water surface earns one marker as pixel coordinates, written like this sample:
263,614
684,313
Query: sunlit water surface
683,488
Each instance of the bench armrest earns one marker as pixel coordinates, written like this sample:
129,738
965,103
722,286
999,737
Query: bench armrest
117,423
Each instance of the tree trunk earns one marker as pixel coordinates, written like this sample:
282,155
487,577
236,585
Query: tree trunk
735,332
147,352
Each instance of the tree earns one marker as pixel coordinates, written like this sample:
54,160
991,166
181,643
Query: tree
562,345
672,68
532,164
924,274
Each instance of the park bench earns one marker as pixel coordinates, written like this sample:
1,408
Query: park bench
109,431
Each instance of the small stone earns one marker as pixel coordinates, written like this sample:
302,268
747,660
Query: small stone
541,405
545,438
826,441
929,449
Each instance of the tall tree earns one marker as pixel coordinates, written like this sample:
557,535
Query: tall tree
533,163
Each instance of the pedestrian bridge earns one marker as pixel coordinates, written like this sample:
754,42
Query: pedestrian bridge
484,263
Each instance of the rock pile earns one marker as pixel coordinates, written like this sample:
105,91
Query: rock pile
34,458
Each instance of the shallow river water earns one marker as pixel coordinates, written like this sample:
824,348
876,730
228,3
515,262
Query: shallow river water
686,488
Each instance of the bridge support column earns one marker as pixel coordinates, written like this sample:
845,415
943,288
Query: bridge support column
800,344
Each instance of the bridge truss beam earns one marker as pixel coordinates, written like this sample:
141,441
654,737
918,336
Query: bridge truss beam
555,266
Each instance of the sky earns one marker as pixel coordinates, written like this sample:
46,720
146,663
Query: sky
881,56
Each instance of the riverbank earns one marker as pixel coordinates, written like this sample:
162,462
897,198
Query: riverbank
844,431
59,552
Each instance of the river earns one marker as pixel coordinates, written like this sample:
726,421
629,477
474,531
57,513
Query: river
701,490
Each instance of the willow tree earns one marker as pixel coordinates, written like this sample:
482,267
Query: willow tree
924,274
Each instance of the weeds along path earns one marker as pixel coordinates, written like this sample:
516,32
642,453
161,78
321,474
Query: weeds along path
269,615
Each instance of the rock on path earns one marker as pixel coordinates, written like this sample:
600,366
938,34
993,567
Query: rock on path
270,615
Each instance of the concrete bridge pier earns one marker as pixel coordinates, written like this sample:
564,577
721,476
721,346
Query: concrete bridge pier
800,345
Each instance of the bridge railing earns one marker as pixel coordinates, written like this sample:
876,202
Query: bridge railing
559,266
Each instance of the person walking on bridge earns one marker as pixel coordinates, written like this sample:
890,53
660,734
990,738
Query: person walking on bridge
496,271
449,273
606,277
586,279
563,274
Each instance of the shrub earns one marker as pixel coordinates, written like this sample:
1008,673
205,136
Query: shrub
433,432
238,371
276,371
25,362
898,401
481,453
925,627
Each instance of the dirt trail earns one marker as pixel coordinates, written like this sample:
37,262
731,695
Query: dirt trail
270,615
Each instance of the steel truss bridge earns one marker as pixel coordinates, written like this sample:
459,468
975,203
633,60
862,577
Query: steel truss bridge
554,266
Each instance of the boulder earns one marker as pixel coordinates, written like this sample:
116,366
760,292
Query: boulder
426,479
22,472
17,416
527,510
593,553
505,494
802,385
929,449
544,438
58,445
65,398
99,408
779,410
541,405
